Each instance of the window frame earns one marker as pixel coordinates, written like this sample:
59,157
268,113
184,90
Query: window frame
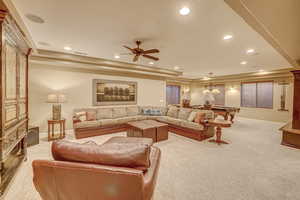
256,82
179,86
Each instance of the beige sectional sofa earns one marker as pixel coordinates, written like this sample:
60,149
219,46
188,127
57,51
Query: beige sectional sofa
114,119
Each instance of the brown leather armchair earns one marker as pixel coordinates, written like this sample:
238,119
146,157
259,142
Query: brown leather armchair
63,180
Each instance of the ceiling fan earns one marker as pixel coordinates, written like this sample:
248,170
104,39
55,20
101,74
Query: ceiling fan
137,52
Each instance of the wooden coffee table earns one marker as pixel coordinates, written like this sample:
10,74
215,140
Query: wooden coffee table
219,123
149,129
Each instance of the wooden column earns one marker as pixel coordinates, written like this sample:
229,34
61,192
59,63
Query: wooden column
296,109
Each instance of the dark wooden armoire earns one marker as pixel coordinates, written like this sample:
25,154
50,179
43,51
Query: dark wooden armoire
14,97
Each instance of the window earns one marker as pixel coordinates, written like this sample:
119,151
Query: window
173,94
220,97
257,95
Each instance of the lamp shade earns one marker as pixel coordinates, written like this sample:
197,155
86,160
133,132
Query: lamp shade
56,98
186,96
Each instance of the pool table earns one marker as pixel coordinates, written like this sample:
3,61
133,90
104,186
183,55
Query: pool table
225,111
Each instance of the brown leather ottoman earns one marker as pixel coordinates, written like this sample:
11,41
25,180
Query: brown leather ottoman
139,140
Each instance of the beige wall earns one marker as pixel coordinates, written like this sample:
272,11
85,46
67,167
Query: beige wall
78,88
233,98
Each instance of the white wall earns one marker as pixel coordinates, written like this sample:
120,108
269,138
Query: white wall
77,86
233,98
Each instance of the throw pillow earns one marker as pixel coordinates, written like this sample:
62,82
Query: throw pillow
200,117
184,113
156,112
91,115
81,116
132,110
146,111
172,112
192,116
122,155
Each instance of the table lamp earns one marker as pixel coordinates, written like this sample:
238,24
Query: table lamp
186,99
208,100
56,100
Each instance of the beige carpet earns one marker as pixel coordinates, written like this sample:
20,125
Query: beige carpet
254,166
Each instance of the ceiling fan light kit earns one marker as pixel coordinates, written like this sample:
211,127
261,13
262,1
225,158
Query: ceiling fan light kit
137,52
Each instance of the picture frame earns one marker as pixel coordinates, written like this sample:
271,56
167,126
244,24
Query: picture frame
114,92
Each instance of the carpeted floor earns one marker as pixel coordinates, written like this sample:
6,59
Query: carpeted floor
254,166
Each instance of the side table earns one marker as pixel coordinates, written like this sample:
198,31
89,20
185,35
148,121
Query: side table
219,123
62,128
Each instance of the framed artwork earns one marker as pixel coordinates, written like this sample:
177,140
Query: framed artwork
110,92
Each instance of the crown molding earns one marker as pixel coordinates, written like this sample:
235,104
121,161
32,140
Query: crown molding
16,16
242,10
253,76
93,69
62,57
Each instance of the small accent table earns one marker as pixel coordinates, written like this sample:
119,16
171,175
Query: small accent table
219,123
62,128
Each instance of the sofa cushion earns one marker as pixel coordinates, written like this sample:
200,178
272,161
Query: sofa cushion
192,116
104,113
87,124
156,112
132,110
146,110
81,116
119,112
162,109
124,120
132,155
170,120
153,117
208,113
184,113
200,116
141,117
172,112
108,122
91,115
192,125
174,121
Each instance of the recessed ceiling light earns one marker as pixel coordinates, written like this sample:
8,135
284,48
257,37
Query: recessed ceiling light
117,56
227,37
151,63
250,51
81,53
244,63
67,48
35,18
184,11
176,67
206,78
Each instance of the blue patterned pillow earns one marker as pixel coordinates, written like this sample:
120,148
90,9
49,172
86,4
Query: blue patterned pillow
156,112
147,111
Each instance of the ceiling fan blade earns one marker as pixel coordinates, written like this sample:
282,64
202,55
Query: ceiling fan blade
126,54
151,51
132,50
136,57
151,57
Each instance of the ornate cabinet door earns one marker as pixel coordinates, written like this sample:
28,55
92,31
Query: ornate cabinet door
10,83
22,82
